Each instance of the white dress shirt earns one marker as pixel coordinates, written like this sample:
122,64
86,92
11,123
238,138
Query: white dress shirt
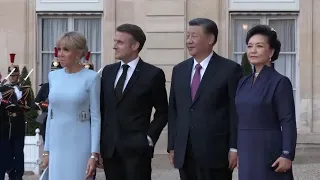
204,65
132,66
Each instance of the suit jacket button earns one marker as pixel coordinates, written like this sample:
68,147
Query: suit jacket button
191,109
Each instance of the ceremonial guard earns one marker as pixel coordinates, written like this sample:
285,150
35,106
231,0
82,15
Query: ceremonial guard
15,101
88,64
41,100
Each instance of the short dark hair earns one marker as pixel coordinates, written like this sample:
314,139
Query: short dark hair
135,31
209,26
271,35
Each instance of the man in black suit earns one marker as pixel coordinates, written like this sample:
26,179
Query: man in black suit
129,91
202,127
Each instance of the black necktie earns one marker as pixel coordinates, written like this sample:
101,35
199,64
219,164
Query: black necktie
122,79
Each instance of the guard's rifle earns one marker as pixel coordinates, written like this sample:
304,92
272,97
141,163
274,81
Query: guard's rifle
6,78
26,90
21,84
4,101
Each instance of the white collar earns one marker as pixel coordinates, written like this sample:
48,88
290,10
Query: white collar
132,64
204,63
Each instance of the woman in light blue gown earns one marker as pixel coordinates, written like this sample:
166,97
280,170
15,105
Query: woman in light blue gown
72,143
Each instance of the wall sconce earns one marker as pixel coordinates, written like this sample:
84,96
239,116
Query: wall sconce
245,26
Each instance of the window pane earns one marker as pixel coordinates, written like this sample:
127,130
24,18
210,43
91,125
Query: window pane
238,57
241,27
286,65
46,65
286,32
96,60
52,29
91,29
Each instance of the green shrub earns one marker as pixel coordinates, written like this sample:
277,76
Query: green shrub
31,115
246,66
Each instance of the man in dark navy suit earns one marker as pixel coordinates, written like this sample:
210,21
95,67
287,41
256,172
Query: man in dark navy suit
202,127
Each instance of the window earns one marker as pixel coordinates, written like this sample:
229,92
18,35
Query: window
52,27
286,28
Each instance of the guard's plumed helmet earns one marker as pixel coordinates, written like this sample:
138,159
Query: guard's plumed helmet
12,66
55,63
88,64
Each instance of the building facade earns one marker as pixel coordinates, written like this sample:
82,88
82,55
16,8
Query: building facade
30,29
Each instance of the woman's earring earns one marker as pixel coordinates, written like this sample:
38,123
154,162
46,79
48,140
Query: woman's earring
270,59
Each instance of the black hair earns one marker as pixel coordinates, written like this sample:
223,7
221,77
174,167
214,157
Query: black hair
135,31
271,35
209,26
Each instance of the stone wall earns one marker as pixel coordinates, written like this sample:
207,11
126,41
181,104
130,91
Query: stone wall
17,34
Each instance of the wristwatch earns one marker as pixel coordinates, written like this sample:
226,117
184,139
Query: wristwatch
286,154
93,157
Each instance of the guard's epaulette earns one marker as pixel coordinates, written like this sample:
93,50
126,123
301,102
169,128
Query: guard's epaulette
26,86
7,94
25,92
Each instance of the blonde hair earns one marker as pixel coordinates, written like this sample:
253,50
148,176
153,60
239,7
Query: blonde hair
74,41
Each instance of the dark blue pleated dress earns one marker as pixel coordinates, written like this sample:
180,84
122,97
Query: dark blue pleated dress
267,124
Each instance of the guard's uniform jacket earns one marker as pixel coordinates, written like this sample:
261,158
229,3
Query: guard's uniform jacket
13,121
16,101
42,97
4,136
42,104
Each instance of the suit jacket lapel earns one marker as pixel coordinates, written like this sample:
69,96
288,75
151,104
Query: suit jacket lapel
186,79
135,76
207,76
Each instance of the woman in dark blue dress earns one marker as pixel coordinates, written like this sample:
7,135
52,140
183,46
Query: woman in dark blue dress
267,130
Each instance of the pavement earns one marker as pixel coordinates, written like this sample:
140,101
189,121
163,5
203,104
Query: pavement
306,167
